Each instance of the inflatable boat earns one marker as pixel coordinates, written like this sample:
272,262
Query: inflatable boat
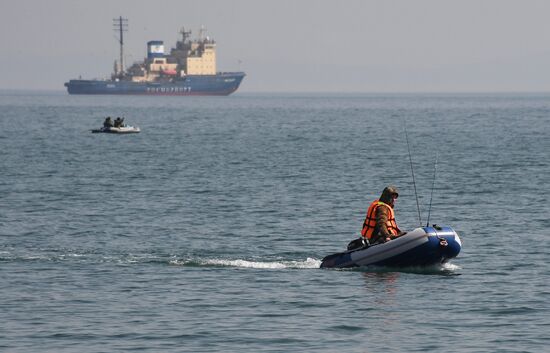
126,129
421,247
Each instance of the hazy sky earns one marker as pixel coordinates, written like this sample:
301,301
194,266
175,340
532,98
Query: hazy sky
293,45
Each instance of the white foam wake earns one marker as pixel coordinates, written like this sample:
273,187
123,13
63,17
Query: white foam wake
308,263
450,267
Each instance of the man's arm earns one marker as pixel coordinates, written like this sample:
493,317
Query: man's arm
381,221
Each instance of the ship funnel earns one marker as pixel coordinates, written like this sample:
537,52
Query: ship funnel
155,49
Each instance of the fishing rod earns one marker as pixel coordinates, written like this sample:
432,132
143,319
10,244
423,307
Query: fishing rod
431,196
412,171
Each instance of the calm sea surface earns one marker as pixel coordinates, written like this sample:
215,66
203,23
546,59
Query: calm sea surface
204,233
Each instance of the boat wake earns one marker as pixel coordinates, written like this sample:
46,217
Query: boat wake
92,257
288,264
446,269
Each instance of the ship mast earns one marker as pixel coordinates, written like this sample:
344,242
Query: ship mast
120,25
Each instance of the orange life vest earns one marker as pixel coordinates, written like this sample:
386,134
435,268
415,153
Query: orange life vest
370,221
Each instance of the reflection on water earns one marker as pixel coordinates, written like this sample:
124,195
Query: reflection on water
381,286
381,291
447,269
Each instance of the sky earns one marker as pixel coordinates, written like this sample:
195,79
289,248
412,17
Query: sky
292,45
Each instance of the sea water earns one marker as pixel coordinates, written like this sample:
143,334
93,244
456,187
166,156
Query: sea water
205,232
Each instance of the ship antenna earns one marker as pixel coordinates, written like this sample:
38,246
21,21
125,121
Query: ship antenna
431,196
412,172
120,25
184,34
202,31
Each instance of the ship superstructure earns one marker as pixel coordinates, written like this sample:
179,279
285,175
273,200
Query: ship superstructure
189,57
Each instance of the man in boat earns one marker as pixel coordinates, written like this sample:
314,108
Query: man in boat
380,225
118,122
108,122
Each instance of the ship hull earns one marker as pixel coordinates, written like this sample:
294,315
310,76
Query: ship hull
221,84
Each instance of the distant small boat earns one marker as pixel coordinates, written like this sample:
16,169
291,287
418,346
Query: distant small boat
126,129
421,247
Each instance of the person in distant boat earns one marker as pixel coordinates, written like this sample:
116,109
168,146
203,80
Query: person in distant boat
108,122
380,225
118,122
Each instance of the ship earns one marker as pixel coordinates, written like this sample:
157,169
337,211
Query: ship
188,69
